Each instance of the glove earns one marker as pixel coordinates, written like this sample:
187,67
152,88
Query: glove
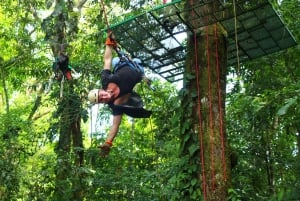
110,40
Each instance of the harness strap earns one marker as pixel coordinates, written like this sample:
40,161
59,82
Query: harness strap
125,61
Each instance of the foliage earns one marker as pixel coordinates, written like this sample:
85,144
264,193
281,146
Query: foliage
263,124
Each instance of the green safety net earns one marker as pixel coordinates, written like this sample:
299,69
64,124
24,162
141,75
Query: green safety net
158,36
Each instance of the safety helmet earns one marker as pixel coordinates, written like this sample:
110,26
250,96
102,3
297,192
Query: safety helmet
115,61
93,96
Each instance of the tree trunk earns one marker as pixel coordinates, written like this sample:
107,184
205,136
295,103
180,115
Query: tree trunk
68,179
205,83
69,186
4,86
64,169
78,147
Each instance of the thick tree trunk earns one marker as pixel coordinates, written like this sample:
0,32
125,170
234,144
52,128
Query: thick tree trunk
64,170
60,25
68,179
206,82
77,139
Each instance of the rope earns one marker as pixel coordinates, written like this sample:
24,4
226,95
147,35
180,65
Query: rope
91,126
62,48
132,134
62,86
152,133
150,119
220,106
62,51
102,4
236,38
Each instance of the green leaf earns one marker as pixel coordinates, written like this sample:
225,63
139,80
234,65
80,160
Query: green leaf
193,149
283,110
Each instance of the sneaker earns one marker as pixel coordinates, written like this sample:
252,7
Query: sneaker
105,149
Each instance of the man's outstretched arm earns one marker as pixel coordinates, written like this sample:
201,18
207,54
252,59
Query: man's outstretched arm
114,128
110,44
108,57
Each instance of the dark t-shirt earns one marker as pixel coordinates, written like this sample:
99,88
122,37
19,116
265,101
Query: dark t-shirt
126,78
133,107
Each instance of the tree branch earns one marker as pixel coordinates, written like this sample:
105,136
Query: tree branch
81,4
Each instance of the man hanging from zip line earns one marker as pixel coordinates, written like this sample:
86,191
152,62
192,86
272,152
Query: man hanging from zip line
117,89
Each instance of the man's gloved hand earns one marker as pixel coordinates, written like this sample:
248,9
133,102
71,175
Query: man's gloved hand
111,40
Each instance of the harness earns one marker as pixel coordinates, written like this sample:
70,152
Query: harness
61,63
126,61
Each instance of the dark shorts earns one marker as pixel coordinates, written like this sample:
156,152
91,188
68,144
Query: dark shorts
135,112
133,108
